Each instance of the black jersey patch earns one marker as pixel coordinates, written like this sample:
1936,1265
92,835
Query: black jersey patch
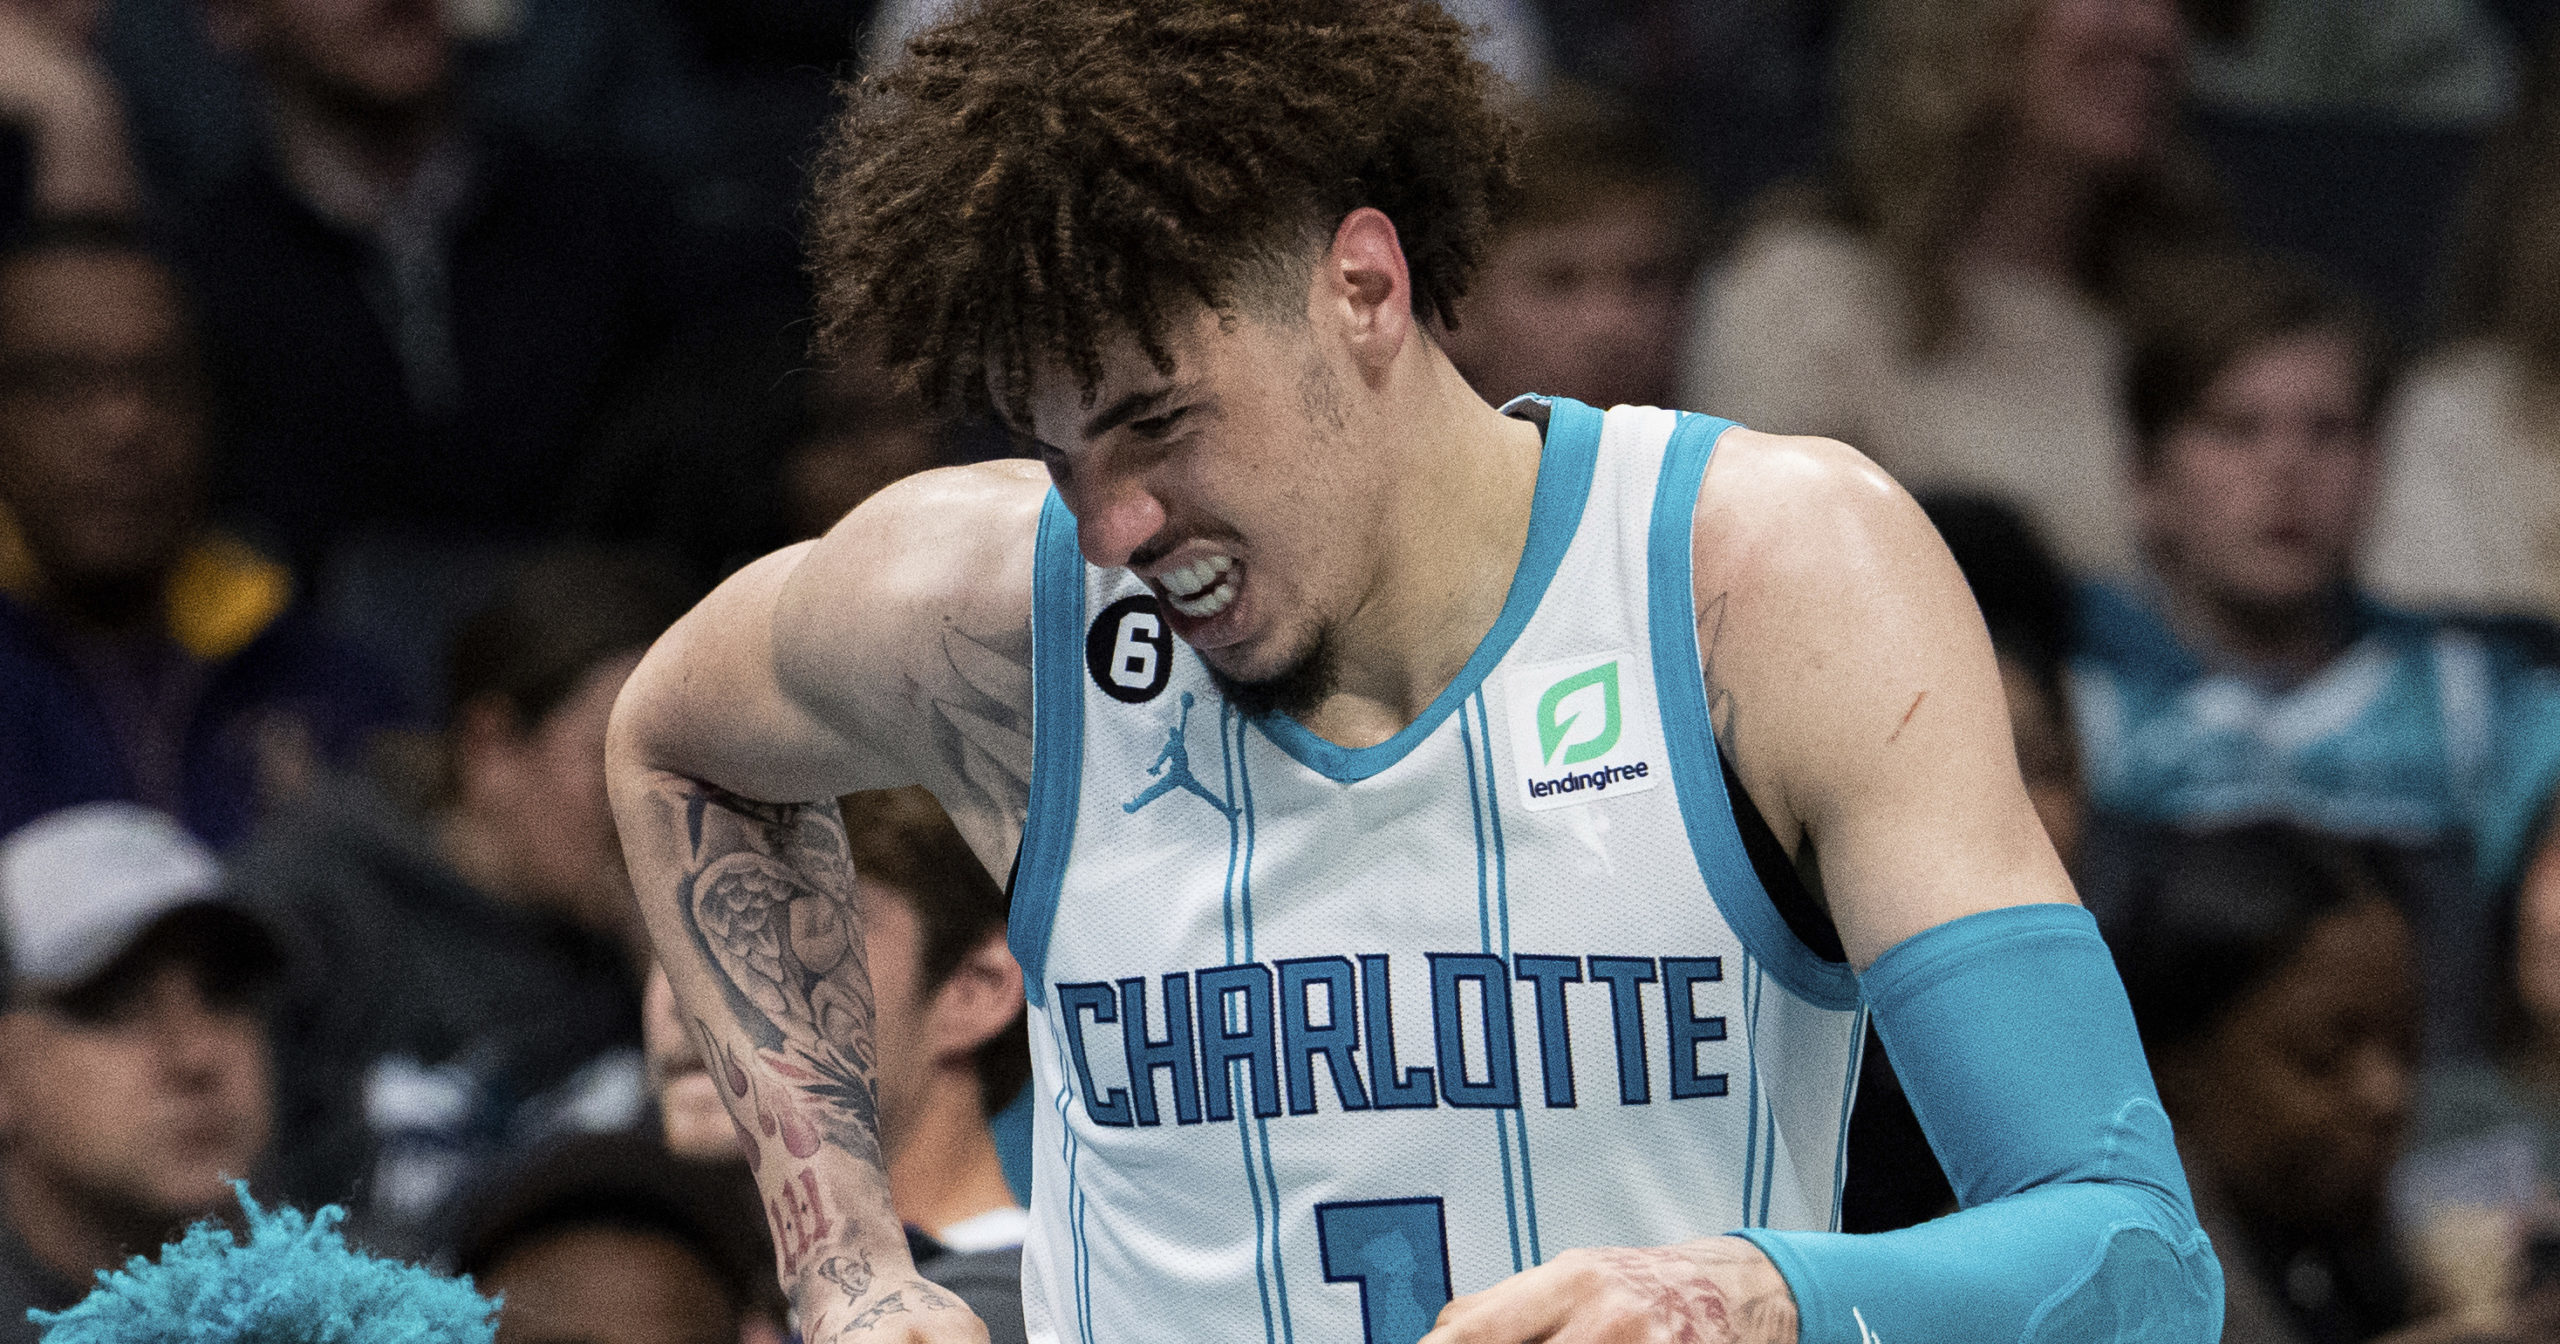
1129,650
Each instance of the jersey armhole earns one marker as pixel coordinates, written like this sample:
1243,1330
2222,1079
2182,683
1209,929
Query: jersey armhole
1057,744
1709,811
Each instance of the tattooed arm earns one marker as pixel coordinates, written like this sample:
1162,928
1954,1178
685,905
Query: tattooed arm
896,650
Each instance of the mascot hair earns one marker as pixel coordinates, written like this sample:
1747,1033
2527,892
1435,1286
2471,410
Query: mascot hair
294,1281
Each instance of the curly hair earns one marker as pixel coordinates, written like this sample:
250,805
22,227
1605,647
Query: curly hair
1039,176
295,1281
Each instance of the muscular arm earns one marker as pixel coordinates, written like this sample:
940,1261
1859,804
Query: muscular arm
1851,681
896,650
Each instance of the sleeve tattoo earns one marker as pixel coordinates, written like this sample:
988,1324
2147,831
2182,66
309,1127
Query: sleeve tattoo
768,898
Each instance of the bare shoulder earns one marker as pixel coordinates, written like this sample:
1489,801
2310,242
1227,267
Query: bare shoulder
950,548
912,619
1853,685
1813,526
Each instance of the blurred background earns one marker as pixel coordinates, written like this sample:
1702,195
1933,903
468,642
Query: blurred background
379,377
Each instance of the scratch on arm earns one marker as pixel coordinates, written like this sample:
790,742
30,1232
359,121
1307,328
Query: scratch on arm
1906,716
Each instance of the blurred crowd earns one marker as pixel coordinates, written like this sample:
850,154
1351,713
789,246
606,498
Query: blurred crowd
379,377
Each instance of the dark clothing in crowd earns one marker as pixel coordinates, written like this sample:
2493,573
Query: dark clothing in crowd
431,1032
177,718
24,1284
2313,1295
990,1282
435,376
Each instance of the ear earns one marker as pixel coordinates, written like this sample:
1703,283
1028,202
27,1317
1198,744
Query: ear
1363,288
982,998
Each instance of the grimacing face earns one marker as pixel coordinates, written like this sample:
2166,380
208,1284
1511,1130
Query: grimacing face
1238,487
148,1112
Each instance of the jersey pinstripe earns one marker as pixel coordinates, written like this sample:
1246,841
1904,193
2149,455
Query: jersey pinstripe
1323,1036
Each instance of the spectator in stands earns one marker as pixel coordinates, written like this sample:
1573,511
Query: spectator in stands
2480,1196
610,1240
1584,293
952,1051
134,1064
1509,36
2470,511
142,655
2248,677
1949,302
62,128
414,322
2276,989
464,983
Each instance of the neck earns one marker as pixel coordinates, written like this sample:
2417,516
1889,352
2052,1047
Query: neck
944,1170
1451,534
70,1236
350,162
2035,215
2293,639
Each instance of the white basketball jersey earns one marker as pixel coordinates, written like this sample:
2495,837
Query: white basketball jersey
1323,1036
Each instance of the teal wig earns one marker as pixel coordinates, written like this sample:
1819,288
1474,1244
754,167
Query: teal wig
295,1281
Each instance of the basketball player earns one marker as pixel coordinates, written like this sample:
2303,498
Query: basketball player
1405,800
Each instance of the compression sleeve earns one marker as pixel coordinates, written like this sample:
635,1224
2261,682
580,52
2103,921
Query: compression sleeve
2012,1035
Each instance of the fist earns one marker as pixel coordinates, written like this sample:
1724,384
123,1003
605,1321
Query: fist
1721,1290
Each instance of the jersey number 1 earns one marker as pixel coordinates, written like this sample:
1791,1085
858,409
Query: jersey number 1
1397,1250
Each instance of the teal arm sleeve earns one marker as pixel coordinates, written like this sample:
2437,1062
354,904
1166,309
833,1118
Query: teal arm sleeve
2012,1036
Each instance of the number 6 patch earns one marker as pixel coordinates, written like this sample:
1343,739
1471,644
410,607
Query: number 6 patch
1129,650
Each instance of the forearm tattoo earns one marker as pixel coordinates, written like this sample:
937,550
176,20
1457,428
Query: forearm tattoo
767,895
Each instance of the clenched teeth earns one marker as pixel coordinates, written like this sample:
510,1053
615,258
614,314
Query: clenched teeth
1210,603
1194,579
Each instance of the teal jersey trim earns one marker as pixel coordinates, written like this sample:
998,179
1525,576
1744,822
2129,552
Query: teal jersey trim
1565,469
1679,683
1057,743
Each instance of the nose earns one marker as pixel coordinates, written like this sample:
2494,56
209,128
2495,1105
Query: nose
1116,513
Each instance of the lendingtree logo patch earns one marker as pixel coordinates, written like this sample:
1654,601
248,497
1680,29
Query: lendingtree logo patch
1583,729
1580,714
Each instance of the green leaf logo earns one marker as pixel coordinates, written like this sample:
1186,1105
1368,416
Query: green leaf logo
1552,730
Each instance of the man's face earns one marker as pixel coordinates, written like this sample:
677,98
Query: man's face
1239,487
370,57
544,786
2260,497
145,1112
101,418
1593,308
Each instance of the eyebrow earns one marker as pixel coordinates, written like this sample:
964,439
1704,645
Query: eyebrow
1130,406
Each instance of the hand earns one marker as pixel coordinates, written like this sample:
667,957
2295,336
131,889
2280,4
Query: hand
844,1305
1720,1290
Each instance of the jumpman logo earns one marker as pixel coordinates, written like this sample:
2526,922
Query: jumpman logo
1173,769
